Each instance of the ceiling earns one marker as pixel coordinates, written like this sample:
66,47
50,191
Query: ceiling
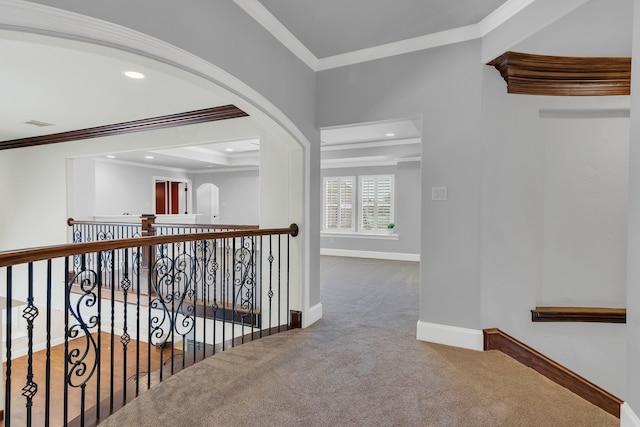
334,27
89,81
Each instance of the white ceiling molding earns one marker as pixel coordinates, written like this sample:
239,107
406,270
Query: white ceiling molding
410,159
358,162
141,165
456,35
501,15
371,144
428,41
257,11
226,170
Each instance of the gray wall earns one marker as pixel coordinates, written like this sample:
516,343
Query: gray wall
239,195
406,216
485,256
442,86
111,188
633,266
126,188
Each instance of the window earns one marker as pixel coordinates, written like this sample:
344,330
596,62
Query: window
338,203
376,202
374,198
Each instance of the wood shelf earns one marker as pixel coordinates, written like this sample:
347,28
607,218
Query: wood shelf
530,74
579,314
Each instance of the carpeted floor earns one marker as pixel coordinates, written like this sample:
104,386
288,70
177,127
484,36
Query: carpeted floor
359,366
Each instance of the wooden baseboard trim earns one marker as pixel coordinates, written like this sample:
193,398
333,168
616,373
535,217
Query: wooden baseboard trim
579,314
495,339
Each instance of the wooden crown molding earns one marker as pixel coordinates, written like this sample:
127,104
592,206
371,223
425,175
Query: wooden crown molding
530,74
495,339
579,314
172,120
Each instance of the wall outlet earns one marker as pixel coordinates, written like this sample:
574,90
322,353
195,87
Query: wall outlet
438,193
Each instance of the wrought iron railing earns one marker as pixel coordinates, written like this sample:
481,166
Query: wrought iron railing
95,231
77,350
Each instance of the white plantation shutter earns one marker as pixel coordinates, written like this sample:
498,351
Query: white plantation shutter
376,202
338,203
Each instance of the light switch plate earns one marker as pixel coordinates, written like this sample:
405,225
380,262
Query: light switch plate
438,193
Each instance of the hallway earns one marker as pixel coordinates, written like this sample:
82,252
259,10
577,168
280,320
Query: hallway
359,365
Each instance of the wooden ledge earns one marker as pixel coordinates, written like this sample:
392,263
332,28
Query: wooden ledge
531,74
579,314
495,339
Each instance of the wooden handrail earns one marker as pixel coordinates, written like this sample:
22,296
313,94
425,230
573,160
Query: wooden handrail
58,251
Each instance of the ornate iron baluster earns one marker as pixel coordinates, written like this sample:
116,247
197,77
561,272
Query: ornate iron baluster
270,293
214,307
83,363
30,312
244,284
172,282
125,284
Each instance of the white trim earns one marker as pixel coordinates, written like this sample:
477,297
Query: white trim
470,32
471,339
501,15
360,162
313,314
232,169
393,256
410,159
428,41
361,235
370,144
260,13
628,418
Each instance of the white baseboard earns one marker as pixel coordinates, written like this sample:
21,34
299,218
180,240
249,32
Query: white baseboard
395,256
628,418
471,339
312,316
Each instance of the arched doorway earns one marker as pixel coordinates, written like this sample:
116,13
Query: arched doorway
207,204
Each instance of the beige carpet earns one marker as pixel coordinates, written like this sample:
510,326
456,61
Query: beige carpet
359,366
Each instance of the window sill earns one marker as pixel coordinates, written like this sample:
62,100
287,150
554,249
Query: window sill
353,235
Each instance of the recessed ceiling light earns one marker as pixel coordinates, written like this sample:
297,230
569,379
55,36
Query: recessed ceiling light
111,156
148,157
390,134
134,75
229,150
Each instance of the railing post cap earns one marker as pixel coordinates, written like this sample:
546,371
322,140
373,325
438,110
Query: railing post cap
294,229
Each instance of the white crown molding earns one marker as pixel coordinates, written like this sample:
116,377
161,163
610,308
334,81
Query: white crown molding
428,41
501,15
140,165
227,170
371,144
260,13
456,35
356,163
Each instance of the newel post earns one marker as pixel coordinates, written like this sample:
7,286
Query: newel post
148,220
